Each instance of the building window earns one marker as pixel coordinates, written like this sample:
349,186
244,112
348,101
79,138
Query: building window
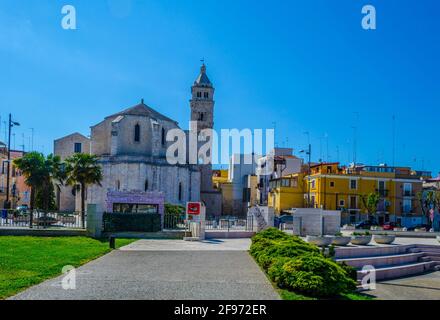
407,206
146,185
353,184
199,94
137,133
180,191
313,184
118,185
163,137
332,184
201,116
341,203
407,189
353,203
77,148
206,95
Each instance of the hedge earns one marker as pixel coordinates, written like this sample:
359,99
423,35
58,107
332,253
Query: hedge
296,265
135,222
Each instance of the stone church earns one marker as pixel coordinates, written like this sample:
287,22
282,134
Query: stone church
132,146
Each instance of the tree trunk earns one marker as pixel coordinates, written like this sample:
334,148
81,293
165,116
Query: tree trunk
83,204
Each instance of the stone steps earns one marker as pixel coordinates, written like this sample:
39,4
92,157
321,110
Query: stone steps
381,261
391,261
370,251
398,271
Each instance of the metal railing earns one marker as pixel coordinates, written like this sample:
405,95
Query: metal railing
172,222
41,219
230,224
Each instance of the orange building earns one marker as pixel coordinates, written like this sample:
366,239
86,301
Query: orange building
19,192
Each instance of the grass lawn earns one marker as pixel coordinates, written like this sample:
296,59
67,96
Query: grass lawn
26,261
289,295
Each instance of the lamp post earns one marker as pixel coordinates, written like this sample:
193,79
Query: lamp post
309,153
7,204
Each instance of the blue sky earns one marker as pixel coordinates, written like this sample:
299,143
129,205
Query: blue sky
303,65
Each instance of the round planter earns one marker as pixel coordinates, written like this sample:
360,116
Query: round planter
341,241
319,241
384,239
361,240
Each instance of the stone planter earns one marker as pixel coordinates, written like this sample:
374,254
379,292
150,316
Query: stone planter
341,241
376,228
420,230
438,238
320,241
384,239
361,240
348,227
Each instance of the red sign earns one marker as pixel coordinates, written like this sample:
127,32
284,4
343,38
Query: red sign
193,208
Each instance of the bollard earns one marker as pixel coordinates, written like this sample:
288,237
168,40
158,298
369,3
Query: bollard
112,242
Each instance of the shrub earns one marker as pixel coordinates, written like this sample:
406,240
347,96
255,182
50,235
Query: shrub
271,234
296,265
265,250
311,274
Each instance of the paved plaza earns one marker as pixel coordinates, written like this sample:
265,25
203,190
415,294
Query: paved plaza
423,287
166,270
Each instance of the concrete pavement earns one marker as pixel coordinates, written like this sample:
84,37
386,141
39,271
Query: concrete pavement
423,287
166,269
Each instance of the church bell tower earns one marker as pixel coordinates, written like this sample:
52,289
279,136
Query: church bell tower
202,101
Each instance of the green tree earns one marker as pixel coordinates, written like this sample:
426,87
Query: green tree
40,173
83,170
370,202
428,200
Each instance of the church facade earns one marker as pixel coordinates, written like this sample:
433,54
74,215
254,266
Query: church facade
132,147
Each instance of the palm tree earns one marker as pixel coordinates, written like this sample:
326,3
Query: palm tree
39,173
83,170
31,165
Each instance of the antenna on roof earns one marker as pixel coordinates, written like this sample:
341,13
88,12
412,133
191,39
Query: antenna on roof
142,101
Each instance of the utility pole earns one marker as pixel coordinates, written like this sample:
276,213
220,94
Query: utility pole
7,204
394,141
32,140
309,153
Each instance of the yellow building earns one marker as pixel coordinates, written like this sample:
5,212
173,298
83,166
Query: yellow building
332,187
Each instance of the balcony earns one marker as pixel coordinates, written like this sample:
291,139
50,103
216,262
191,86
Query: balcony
383,192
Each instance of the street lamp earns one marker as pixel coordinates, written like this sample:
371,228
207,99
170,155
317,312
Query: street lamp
309,153
7,204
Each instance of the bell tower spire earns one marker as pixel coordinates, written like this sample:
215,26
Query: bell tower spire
202,101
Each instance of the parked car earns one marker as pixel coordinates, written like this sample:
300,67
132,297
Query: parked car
419,226
22,208
389,226
282,219
366,224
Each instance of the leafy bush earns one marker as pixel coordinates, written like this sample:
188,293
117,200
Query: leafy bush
299,266
311,274
174,210
271,234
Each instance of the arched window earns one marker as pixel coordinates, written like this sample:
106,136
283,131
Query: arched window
146,185
137,133
206,95
199,94
118,185
180,191
163,137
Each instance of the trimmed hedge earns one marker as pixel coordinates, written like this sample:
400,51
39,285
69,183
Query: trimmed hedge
298,266
135,222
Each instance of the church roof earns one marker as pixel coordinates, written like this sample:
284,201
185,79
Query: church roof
142,110
202,79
